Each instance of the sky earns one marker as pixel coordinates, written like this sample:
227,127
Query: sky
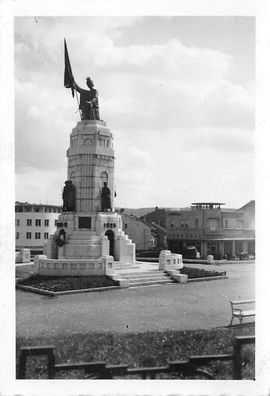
176,92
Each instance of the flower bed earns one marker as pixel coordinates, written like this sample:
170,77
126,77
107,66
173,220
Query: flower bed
194,273
64,283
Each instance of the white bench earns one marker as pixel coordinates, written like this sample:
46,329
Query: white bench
245,309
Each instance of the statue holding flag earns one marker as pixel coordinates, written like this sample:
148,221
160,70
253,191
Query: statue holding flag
89,107
88,101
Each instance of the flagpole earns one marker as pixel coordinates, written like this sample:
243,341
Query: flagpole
76,93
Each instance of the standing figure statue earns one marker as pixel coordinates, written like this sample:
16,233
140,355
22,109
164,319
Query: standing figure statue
88,100
68,197
105,198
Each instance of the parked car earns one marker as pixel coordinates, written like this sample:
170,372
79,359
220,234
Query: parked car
190,252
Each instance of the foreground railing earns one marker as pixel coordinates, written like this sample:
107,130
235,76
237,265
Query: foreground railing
100,370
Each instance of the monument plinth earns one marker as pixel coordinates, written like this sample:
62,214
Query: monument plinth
91,164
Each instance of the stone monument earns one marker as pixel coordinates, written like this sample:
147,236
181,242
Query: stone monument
89,239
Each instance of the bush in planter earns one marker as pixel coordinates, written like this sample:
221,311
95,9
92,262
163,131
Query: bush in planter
193,273
56,283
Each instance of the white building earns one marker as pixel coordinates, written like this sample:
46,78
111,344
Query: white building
34,223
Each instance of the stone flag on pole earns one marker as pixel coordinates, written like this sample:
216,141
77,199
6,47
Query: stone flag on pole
68,76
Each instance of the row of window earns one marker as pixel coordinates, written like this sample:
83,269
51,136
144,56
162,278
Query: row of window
183,225
30,222
37,209
212,224
185,236
37,235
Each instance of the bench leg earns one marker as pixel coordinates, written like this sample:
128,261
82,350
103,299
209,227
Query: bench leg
231,321
241,319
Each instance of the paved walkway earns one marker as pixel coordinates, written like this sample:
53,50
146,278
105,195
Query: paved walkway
198,305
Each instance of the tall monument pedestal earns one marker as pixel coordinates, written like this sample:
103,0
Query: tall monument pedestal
89,239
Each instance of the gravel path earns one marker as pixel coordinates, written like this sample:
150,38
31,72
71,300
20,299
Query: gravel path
198,305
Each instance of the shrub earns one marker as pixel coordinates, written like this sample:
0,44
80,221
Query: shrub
200,273
63,283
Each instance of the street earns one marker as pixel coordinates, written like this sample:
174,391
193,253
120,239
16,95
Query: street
198,305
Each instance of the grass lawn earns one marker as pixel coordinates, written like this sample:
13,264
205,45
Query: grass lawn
147,349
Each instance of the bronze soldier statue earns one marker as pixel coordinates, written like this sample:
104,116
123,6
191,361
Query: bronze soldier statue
105,198
68,197
88,101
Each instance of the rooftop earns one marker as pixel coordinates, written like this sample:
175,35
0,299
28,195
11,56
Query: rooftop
18,203
207,205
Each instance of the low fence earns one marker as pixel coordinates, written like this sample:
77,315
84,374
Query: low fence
100,370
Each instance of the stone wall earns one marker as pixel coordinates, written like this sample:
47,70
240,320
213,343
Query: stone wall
62,267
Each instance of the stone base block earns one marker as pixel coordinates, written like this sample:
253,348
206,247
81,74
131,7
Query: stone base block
170,261
23,256
37,260
124,283
180,278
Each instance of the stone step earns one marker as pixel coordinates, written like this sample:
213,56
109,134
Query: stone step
143,273
151,283
147,278
123,266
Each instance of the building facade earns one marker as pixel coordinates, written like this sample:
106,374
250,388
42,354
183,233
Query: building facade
140,232
34,223
210,228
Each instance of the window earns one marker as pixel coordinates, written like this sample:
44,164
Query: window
36,209
172,225
29,222
183,224
28,235
239,224
226,225
37,235
196,223
38,222
46,222
17,235
17,222
212,224
126,226
46,235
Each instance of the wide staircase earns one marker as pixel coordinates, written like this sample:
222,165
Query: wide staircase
147,278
